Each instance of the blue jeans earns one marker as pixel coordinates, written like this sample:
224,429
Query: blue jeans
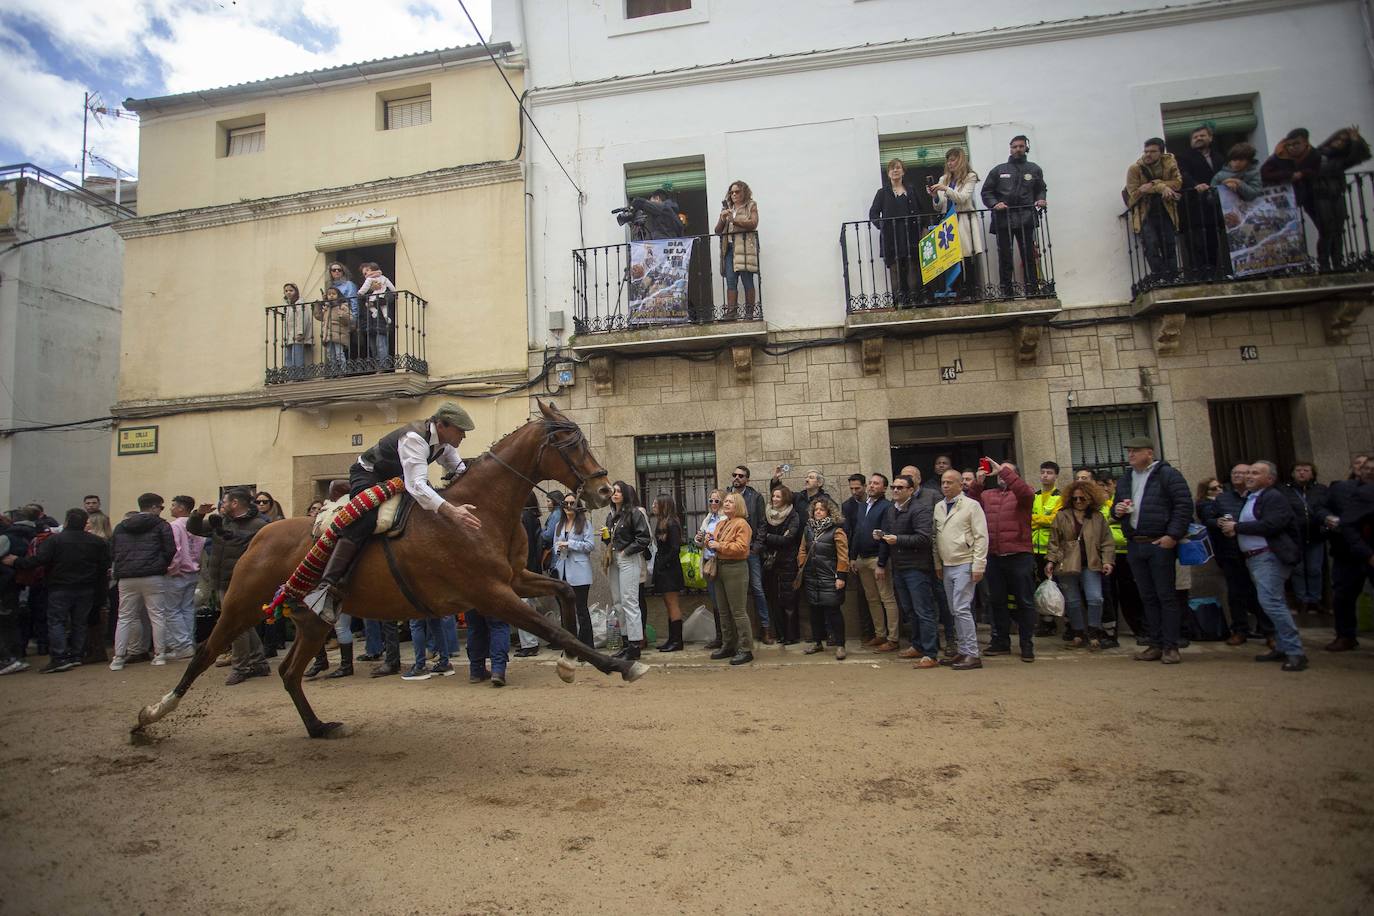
379,347
488,637
335,353
343,629
181,608
733,279
295,355
1270,573
372,634
1307,575
1152,569
756,587
444,630
914,587
1079,588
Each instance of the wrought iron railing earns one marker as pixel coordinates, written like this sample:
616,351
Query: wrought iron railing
615,291
28,171
1330,234
1010,256
338,338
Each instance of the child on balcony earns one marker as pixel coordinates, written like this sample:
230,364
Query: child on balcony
336,316
376,295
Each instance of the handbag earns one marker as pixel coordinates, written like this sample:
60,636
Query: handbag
1196,548
709,568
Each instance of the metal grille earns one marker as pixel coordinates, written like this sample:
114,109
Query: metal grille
683,466
1248,430
1098,435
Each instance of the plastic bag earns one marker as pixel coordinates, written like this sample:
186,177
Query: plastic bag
1196,548
1049,600
598,614
690,557
700,626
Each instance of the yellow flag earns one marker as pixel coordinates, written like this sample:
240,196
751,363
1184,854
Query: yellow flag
940,247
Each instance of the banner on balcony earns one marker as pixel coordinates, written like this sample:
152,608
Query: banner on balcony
658,281
1264,234
940,250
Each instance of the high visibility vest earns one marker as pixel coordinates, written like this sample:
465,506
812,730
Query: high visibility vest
1118,536
1043,511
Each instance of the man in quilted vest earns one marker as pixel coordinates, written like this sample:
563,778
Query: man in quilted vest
1011,565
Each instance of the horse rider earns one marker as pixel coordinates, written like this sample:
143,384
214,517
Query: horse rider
406,453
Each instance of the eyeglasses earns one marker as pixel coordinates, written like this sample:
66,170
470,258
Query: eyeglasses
740,476
263,502
336,270
570,505
713,500
1078,496
899,486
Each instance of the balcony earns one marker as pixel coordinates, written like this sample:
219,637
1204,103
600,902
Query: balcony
625,301
1264,254
371,344
992,288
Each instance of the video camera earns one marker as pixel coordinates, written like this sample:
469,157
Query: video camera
624,216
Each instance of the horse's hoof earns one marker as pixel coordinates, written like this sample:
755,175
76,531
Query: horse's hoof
567,669
635,671
154,712
333,730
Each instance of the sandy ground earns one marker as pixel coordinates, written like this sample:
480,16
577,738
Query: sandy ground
1077,784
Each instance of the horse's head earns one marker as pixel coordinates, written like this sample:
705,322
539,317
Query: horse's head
578,469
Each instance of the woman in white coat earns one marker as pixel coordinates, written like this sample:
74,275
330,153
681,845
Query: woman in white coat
959,185
573,542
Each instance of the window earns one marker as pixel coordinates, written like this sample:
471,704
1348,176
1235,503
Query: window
635,9
240,141
411,112
923,154
1232,121
1098,435
685,179
684,467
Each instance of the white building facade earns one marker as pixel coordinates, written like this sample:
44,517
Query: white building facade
804,105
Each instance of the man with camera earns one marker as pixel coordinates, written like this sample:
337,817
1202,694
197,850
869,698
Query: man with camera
655,218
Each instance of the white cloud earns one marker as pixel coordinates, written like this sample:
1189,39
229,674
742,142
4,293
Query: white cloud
169,46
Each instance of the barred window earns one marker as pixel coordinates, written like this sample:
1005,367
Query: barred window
1098,435
634,9
411,112
684,467
240,141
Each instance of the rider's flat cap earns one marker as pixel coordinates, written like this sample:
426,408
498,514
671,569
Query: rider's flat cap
1140,442
454,415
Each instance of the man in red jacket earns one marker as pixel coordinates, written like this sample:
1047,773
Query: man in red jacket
1011,565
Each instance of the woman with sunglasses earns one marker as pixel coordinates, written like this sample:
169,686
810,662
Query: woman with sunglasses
1081,553
627,534
572,560
704,533
268,507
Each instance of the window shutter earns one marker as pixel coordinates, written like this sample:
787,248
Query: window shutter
927,149
245,140
1233,117
407,112
682,176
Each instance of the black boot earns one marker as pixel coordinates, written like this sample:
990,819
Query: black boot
674,643
321,663
345,668
336,568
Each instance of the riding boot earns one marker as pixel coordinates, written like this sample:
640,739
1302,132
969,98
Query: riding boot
345,668
674,643
336,568
321,663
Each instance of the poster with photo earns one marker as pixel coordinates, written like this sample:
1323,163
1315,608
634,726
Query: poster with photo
1264,234
658,281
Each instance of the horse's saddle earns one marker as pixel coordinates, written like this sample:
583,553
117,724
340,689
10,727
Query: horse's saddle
391,517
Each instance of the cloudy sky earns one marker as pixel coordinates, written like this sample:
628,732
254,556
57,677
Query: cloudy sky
55,52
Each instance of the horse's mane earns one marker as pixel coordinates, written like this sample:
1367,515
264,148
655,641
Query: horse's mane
553,426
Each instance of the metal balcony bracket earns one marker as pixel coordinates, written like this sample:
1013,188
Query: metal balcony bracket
387,409
1340,314
744,363
603,374
1168,333
1027,338
872,353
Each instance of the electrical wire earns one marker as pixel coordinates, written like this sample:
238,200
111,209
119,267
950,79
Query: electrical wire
59,235
518,101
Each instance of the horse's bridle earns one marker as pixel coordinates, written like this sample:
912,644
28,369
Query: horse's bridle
551,429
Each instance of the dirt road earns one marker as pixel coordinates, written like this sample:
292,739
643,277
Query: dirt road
1077,784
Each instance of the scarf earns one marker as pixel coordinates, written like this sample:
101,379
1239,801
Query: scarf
818,525
778,516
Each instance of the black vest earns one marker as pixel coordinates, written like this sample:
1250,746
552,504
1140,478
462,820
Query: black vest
820,553
386,460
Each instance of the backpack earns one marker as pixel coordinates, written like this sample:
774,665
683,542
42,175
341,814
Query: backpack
32,576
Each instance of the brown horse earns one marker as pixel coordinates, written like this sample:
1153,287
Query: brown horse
446,567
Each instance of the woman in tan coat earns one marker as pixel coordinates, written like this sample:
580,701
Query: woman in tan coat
1081,552
959,186
739,258
731,541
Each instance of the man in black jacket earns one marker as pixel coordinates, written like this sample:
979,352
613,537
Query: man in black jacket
849,515
1015,192
905,553
1265,532
864,553
1155,507
76,562
143,547
1348,518
754,509
230,533
1200,216
1241,600
1307,497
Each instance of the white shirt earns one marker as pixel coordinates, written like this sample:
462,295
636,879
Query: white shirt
1138,481
708,526
1249,542
413,451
